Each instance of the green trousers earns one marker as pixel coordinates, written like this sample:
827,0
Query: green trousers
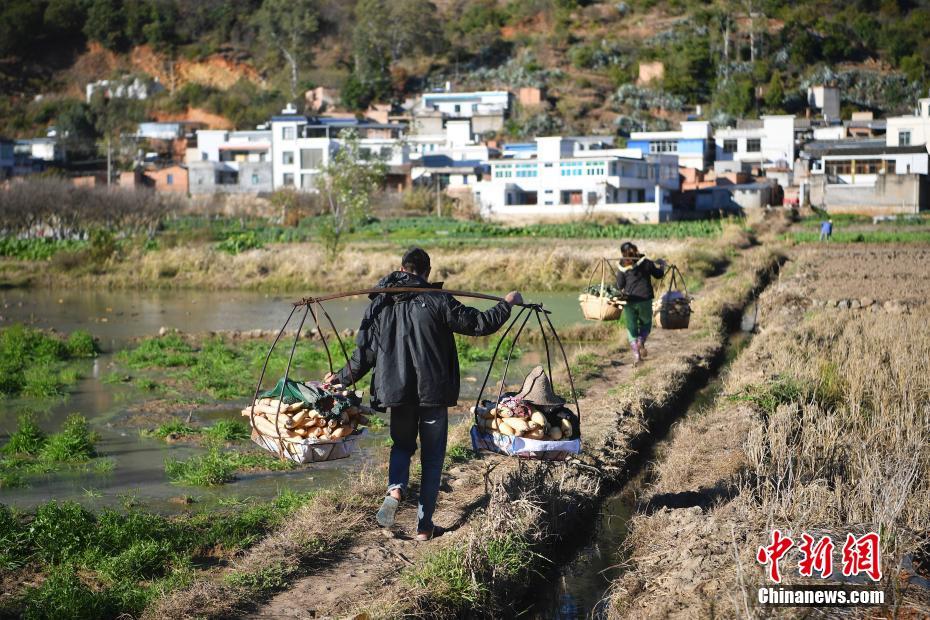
638,315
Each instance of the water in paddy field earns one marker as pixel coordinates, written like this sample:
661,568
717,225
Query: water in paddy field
116,318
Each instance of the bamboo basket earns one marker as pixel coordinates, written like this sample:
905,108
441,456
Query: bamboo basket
547,449
600,308
674,306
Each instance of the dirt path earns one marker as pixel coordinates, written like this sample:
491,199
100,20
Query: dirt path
378,555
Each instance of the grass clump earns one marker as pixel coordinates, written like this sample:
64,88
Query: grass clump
167,351
114,563
28,439
30,451
457,577
227,430
33,363
217,467
75,442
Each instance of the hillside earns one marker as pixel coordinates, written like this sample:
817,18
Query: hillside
233,62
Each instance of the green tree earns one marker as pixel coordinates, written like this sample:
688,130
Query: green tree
735,95
106,23
775,93
385,32
348,183
289,26
19,21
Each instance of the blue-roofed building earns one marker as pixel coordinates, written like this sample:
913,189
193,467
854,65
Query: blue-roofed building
693,143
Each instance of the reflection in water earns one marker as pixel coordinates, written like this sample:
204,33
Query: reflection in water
117,317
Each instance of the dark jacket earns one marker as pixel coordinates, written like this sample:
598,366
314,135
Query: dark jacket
636,280
407,338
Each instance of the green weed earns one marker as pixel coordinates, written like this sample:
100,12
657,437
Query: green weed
81,344
74,443
27,439
174,427
167,351
218,467
227,430
459,454
33,363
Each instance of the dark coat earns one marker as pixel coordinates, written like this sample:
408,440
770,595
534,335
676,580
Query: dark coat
636,281
408,339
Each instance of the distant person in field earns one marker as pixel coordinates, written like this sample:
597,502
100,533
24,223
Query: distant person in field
826,230
635,281
408,340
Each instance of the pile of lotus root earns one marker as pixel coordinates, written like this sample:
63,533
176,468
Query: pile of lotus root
521,418
328,413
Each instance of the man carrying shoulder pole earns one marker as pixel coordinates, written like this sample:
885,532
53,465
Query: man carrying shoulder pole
408,340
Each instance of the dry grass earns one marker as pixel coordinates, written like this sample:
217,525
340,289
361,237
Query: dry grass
824,427
534,265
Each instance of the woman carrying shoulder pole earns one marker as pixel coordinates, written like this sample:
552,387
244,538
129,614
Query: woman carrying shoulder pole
635,281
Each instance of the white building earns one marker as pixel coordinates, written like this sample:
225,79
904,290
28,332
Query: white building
487,111
454,163
44,149
302,147
826,99
230,161
561,182
910,130
692,143
466,104
769,142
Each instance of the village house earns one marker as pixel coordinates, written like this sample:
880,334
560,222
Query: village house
45,149
172,178
487,111
693,144
231,162
757,145
558,181
910,130
871,179
302,147
454,166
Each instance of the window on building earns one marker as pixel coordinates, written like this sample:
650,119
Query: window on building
311,158
288,133
287,158
458,108
663,146
254,179
753,145
729,146
288,180
307,181
170,180
204,157
904,138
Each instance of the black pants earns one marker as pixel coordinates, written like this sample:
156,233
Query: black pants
432,425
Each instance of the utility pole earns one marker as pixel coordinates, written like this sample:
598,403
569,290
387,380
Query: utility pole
438,198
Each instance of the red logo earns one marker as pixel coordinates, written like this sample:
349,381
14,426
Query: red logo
773,553
862,555
817,557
